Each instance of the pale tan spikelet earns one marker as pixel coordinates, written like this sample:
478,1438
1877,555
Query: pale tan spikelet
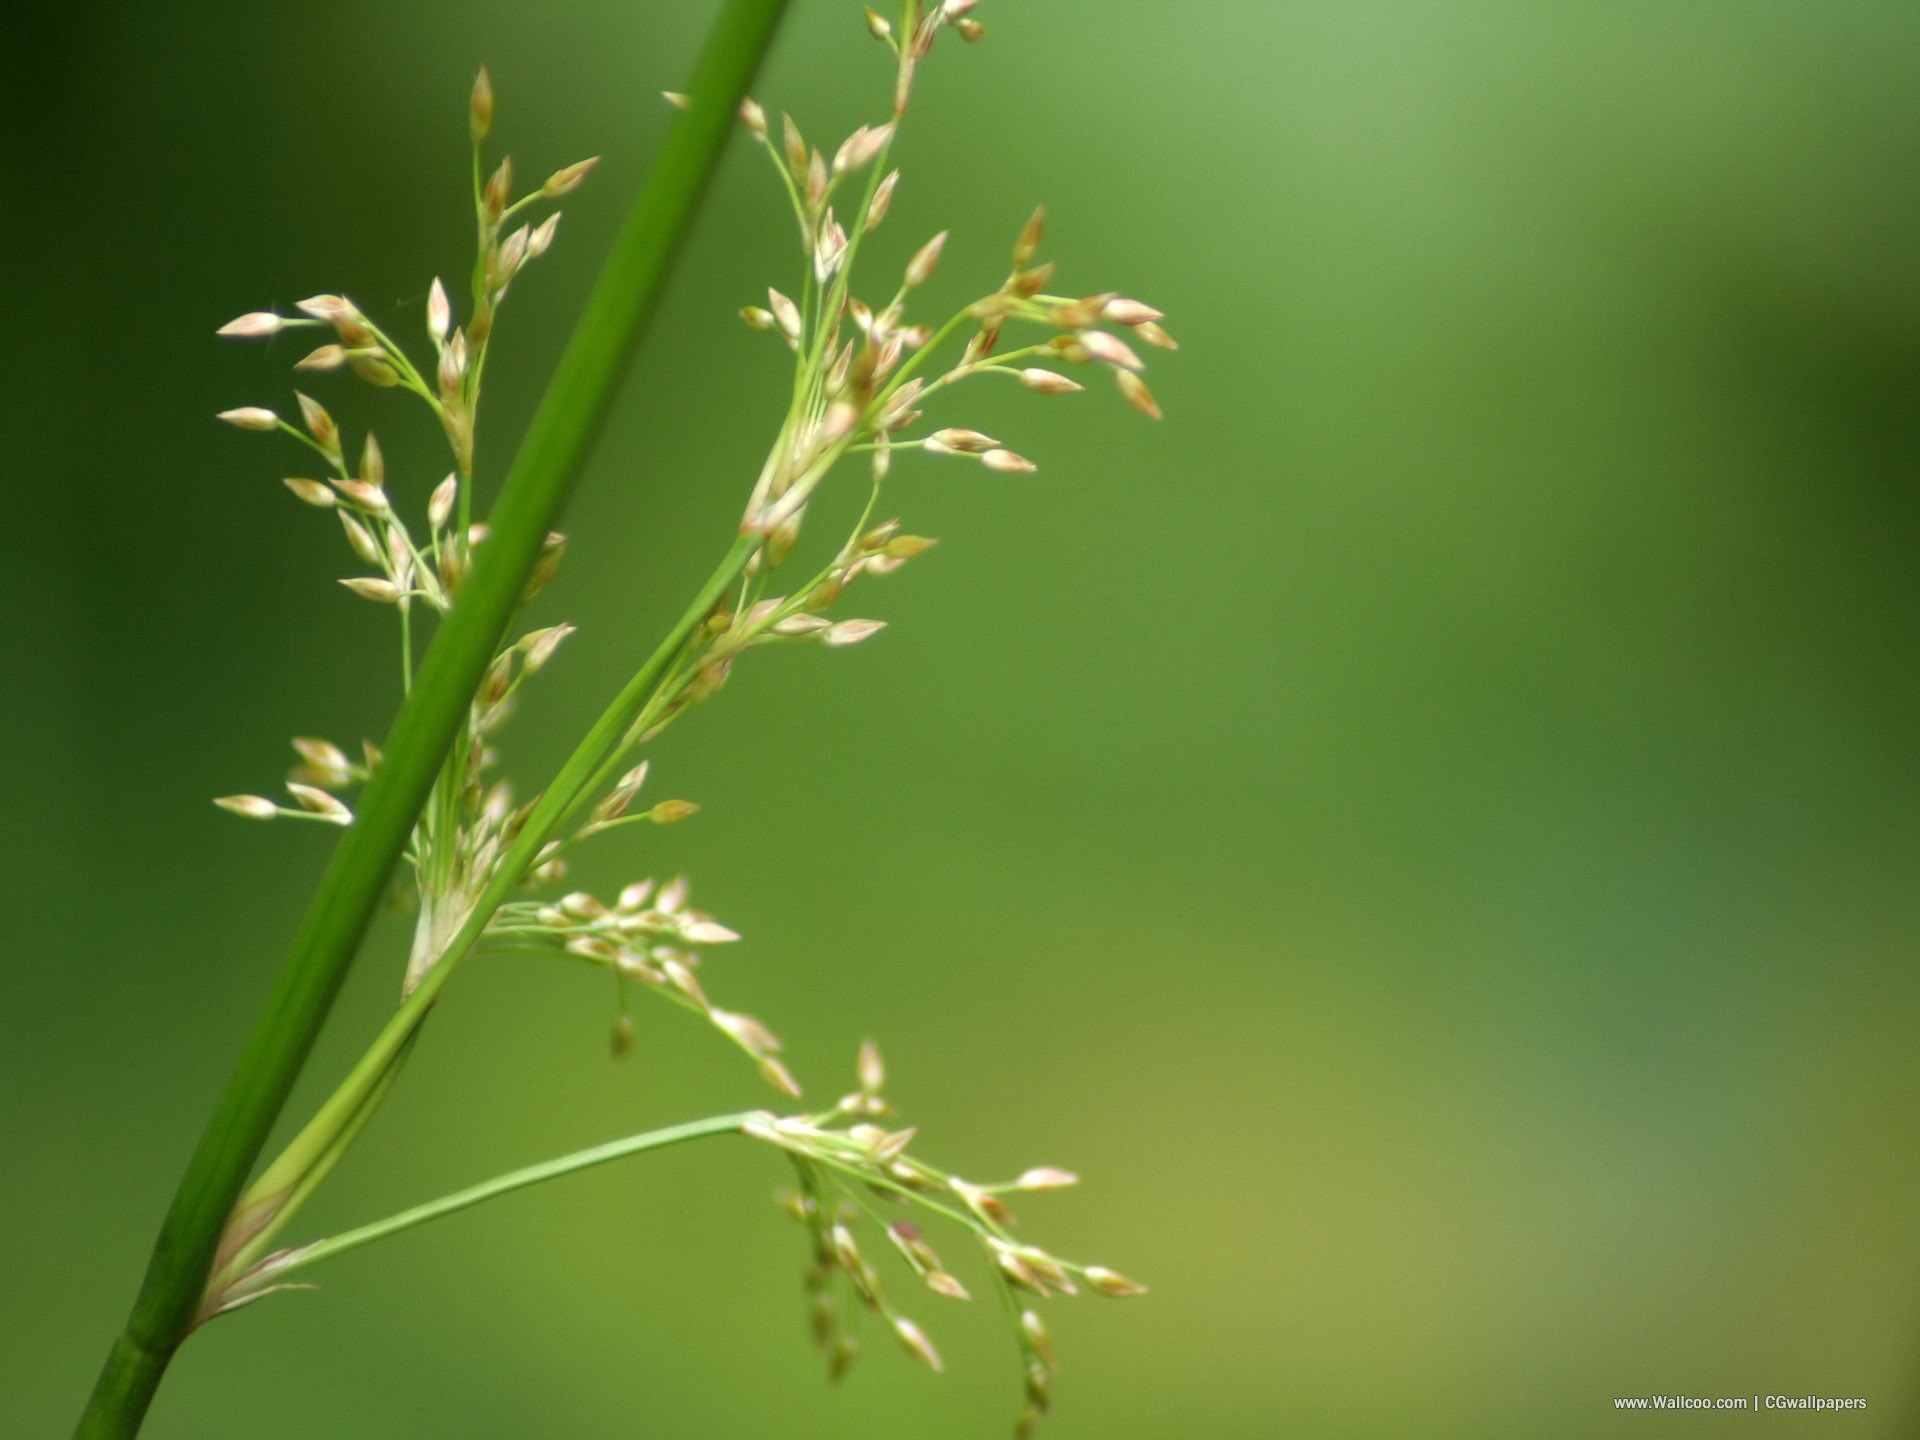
568,179
253,324
319,423
1111,1282
499,190
920,268
384,592
970,442
543,647
439,312
312,492
1122,311
327,357
882,200
319,802
1111,349
1008,463
851,632
1151,332
1028,244
373,462
250,417
541,240
480,106
254,807
794,146
440,504
916,1343
366,495
1137,393
787,315
1049,382
1046,1177
361,540
779,1077
677,100
753,117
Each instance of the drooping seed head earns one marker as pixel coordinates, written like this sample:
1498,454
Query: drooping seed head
1151,332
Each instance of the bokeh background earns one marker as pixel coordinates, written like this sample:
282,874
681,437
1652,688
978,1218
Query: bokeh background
1429,831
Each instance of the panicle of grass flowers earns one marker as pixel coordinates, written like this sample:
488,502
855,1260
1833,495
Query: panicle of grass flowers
458,840
865,376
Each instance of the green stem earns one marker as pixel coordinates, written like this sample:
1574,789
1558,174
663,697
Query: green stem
531,498
347,1240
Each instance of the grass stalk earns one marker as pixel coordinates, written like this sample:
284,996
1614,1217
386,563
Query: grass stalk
531,498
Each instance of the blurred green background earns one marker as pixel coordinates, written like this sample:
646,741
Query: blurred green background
1429,831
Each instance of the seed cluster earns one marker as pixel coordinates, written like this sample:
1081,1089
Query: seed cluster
851,1172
